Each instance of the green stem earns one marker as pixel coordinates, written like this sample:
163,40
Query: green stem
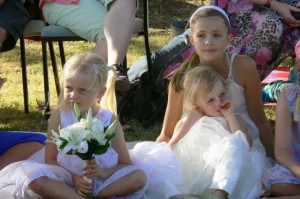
89,196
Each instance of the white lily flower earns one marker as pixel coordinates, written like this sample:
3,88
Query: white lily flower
83,147
101,139
97,126
89,135
58,142
76,137
69,147
89,119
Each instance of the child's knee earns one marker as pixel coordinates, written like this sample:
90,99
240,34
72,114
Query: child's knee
38,184
140,179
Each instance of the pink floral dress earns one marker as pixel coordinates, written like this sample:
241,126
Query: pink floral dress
259,33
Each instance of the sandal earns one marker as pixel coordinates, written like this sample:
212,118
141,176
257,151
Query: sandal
122,83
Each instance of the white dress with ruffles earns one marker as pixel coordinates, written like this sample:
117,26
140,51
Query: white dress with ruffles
20,174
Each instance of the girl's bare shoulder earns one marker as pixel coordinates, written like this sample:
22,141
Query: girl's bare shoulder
244,64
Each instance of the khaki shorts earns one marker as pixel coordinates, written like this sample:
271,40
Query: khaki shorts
85,19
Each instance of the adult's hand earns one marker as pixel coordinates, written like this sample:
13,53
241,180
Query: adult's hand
284,10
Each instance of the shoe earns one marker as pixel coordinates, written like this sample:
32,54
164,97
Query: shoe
122,83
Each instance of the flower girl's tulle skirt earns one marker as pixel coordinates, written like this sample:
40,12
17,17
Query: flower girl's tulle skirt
208,157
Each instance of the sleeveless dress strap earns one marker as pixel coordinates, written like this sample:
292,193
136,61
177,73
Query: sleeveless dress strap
230,61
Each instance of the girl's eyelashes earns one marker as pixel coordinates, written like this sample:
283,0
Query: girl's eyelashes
223,96
210,100
68,88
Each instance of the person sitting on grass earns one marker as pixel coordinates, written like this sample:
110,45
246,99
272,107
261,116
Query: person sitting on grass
283,180
84,82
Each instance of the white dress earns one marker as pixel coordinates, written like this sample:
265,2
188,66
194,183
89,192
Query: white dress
213,158
207,157
210,157
20,174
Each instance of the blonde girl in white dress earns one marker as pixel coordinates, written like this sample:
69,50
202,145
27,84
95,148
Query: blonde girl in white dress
62,176
212,143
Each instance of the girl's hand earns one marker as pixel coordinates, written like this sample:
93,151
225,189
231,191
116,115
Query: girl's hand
227,108
92,170
81,185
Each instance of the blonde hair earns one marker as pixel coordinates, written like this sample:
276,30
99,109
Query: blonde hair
199,82
194,60
90,64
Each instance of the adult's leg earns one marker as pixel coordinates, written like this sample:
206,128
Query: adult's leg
111,28
118,28
19,152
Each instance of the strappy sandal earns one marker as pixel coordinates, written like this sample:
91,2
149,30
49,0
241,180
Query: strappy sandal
122,83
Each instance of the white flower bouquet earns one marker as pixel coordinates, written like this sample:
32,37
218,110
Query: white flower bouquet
84,138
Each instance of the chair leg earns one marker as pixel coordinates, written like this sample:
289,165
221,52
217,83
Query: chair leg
146,38
24,74
62,53
54,67
46,77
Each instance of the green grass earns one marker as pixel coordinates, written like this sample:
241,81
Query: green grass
12,116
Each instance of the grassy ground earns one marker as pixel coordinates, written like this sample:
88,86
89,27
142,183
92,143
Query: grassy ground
12,116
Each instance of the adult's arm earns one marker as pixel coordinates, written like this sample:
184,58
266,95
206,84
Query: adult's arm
254,103
283,10
172,115
283,136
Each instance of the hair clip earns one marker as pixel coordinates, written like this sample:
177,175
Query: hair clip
110,68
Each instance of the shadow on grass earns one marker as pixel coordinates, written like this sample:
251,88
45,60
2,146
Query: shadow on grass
139,133
162,13
12,119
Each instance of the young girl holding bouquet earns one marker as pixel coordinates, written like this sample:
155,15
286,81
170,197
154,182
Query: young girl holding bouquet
63,176
284,178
